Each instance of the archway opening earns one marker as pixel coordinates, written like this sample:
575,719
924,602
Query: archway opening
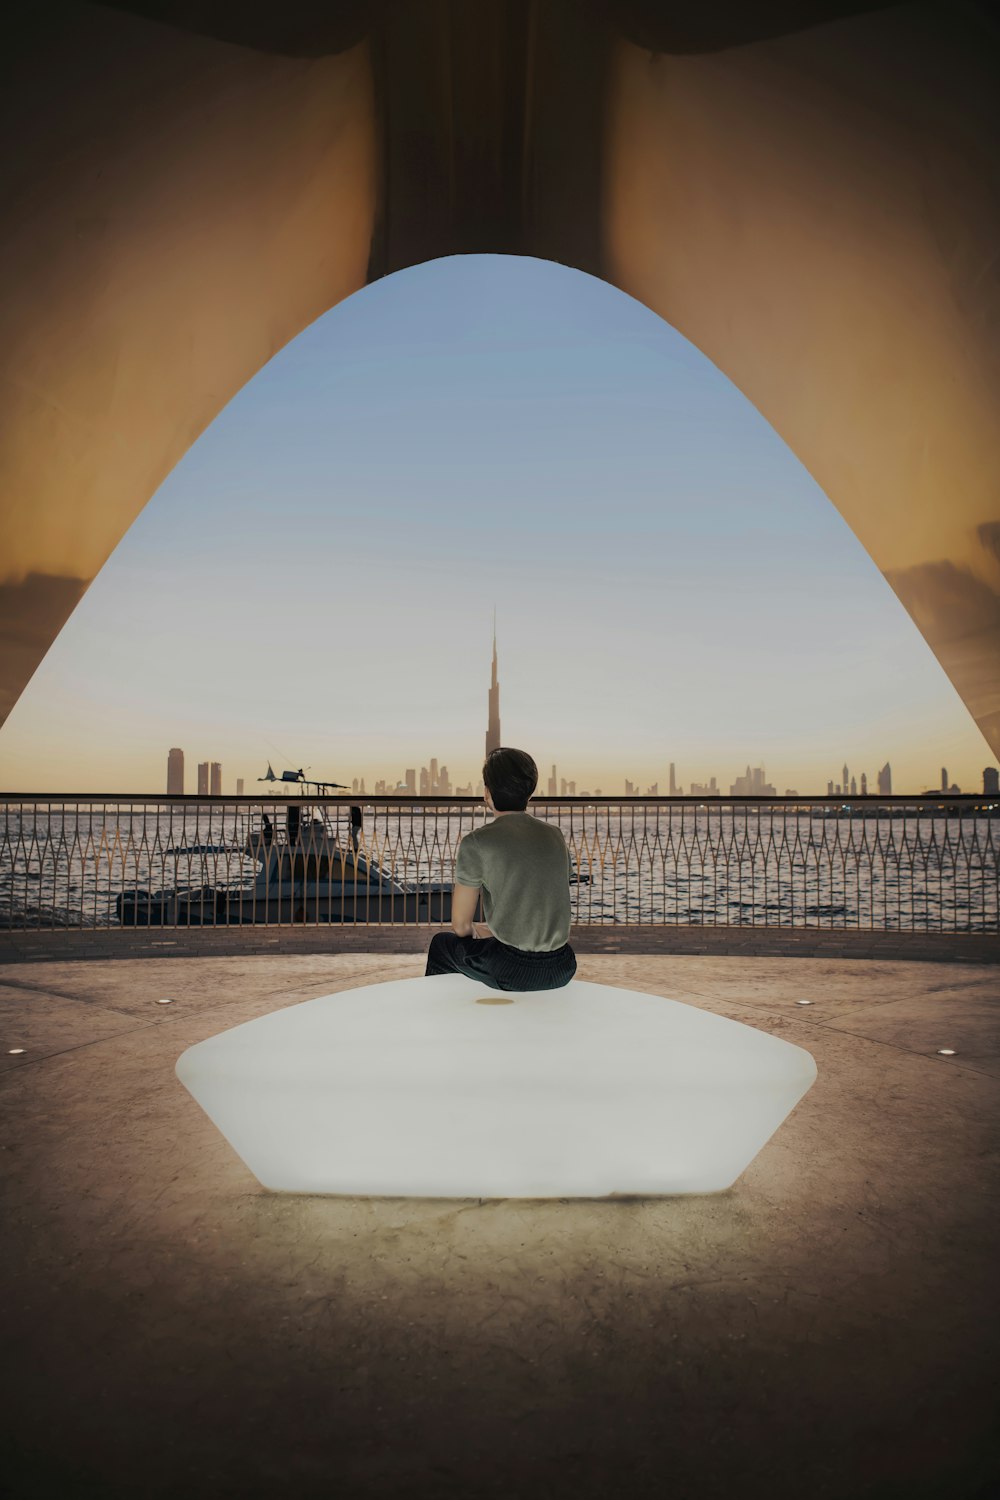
315,580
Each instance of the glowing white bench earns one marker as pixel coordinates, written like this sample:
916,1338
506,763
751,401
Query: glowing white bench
436,1087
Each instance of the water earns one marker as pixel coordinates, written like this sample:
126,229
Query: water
779,864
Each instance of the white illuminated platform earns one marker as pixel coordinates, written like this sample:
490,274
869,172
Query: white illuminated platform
442,1087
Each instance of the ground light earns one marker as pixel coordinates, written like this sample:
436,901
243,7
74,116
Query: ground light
415,1088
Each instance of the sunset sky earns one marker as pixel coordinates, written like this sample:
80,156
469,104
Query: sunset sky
314,583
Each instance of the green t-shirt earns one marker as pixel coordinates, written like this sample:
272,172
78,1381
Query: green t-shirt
522,864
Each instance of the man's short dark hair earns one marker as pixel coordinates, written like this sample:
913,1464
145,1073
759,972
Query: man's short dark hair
510,777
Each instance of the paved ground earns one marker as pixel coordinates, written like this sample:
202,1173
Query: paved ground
42,945
827,1328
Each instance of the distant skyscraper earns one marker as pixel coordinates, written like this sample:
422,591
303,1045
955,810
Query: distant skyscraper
216,779
991,781
829,789
673,781
444,785
752,784
846,778
175,773
433,778
411,782
944,778
425,782
562,786
203,778
854,787
885,781
864,784
493,725
239,786
552,783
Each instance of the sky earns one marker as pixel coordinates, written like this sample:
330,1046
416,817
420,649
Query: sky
313,584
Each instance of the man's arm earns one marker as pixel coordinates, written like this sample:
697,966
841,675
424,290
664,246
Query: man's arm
464,900
468,884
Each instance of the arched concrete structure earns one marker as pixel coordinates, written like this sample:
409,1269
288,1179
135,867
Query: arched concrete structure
807,191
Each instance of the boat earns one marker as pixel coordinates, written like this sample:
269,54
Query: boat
305,875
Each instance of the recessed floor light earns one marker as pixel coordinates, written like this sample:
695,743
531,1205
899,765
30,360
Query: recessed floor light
803,1002
167,1001
946,1052
15,1051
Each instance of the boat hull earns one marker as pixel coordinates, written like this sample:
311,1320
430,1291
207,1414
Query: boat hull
212,908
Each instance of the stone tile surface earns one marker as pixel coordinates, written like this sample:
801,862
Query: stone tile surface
825,1328
44,1025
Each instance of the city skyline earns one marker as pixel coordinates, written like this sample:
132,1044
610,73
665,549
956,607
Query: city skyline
671,583
751,783
434,779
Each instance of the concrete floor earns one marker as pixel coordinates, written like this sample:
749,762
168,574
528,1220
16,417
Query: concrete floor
827,1328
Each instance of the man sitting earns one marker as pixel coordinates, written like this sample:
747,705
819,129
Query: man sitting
521,865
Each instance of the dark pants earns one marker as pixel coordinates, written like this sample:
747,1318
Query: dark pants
498,964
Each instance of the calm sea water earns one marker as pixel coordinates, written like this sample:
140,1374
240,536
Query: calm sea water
785,866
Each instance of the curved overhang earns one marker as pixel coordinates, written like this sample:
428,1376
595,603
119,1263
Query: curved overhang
808,192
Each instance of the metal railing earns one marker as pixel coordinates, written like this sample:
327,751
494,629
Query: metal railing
923,864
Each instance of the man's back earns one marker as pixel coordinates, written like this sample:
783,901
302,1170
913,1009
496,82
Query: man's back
522,864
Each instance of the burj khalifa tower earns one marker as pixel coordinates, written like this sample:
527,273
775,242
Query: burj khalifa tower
493,724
